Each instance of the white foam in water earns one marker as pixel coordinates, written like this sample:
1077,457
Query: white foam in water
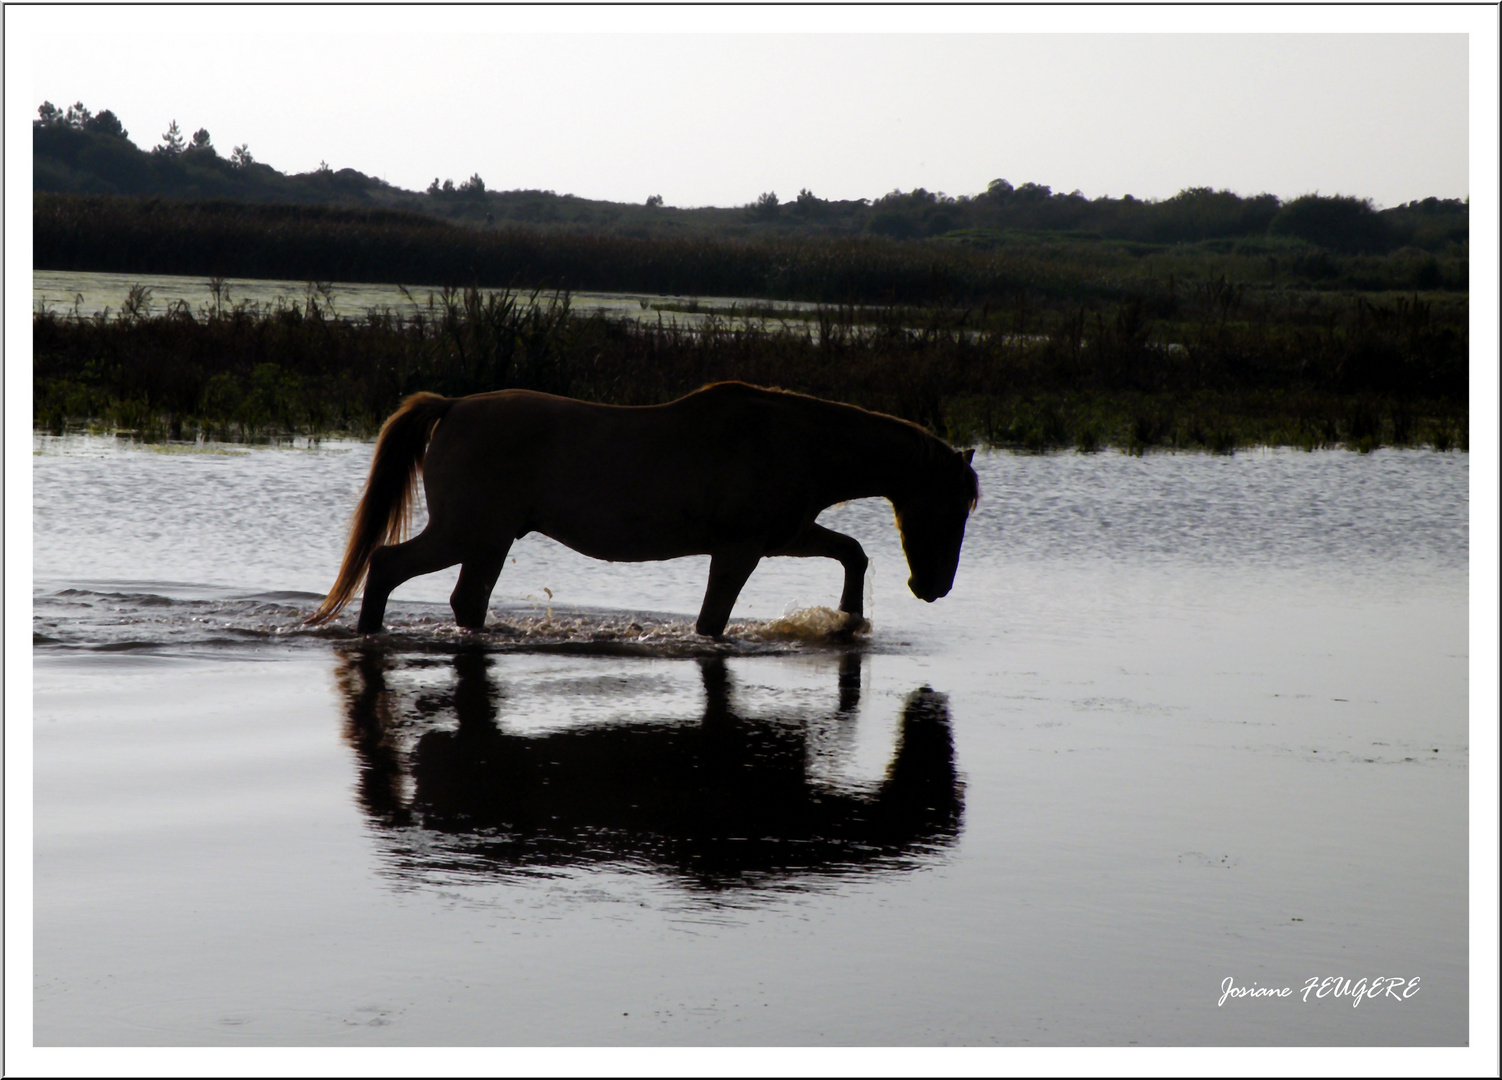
807,624
101,618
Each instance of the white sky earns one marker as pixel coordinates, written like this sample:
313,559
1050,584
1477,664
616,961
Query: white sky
682,104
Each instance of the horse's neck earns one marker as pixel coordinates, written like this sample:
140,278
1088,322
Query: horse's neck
875,457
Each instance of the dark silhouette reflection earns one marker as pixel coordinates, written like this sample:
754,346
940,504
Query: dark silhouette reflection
726,801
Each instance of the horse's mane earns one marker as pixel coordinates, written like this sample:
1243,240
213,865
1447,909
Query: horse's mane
931,451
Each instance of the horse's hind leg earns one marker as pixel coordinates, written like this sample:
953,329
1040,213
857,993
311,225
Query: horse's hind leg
471,596
395,563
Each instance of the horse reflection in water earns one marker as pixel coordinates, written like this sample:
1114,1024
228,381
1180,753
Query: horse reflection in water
729,801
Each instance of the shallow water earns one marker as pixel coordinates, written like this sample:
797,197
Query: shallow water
86,294
1183,718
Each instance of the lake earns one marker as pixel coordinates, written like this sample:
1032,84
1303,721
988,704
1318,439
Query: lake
1183,719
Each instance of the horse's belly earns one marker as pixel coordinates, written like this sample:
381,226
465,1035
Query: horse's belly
619,541
667,514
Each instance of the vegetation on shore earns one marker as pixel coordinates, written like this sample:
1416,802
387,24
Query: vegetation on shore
313,243
1376,374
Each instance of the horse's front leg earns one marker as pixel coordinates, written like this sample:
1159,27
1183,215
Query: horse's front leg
728,571
817,541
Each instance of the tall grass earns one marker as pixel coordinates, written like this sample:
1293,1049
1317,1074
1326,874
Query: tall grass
1216,376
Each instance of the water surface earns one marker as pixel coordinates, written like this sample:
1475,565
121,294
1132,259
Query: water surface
88,293
1183,718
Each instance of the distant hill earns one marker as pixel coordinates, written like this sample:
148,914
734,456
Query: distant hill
77,152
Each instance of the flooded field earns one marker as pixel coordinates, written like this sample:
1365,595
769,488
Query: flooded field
89,294
1183,719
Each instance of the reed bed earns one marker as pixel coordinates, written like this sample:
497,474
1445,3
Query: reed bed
1215,376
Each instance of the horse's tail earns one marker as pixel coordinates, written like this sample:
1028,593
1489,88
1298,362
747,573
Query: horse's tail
386,504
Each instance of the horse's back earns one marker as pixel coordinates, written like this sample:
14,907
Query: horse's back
623,482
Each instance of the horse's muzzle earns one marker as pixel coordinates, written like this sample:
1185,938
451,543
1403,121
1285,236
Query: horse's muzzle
927,597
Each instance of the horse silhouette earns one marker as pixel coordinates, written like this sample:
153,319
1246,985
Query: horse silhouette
731,471
723,802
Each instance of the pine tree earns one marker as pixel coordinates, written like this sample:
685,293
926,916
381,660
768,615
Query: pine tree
172,141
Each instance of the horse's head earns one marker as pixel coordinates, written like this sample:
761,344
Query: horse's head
931,520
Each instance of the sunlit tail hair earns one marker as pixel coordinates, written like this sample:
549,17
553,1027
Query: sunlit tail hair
385,508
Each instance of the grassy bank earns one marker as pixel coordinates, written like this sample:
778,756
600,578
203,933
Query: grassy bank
1209,372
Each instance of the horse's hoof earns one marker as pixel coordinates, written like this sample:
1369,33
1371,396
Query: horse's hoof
854,624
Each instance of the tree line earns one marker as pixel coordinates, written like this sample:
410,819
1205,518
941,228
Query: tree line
76,151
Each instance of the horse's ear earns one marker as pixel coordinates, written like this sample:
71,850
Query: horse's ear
969,455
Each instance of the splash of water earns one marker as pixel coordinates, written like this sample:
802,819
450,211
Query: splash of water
173,618
811,624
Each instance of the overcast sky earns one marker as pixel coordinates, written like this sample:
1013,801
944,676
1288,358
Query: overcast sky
668,102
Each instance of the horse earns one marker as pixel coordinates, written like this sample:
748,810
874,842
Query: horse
732,471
